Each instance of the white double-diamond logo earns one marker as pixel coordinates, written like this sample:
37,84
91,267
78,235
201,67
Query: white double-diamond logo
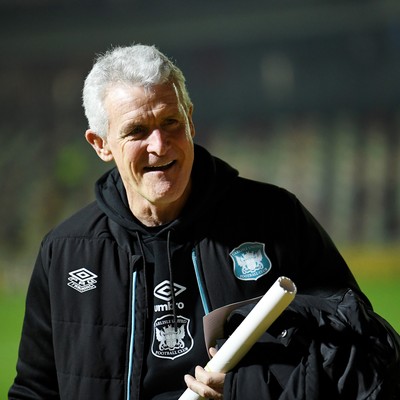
82,280
163,290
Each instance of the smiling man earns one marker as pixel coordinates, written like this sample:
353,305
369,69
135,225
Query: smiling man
119,290
150,138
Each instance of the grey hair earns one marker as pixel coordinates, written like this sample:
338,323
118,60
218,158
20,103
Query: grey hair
138,65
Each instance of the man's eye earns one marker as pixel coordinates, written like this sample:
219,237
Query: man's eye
138,130
171,122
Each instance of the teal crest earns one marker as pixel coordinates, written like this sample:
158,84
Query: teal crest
250,261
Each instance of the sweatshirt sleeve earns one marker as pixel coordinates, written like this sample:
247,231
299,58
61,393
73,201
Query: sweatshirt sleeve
318,269
36,373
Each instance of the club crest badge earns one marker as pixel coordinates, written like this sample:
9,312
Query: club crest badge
169,342
250,261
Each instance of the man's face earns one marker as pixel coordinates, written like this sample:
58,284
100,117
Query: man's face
150,137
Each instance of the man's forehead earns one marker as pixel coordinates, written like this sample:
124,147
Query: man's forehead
139,95
129,105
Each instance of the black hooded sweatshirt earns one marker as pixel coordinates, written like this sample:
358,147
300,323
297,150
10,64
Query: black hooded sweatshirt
173,329
114,308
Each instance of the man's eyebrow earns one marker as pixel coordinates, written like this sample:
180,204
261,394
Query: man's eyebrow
132,123
129,126
170,111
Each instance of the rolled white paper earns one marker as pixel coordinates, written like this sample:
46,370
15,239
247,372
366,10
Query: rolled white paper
260,318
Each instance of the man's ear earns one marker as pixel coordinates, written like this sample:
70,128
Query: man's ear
99,144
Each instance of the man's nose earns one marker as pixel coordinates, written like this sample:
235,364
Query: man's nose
157,142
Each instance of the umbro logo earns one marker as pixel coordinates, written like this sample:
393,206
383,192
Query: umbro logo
163,290
82,280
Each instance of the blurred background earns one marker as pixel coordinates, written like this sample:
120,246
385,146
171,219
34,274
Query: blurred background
303,94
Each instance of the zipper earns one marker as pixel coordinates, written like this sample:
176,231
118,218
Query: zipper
200,283
132,338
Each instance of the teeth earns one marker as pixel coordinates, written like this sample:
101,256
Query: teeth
161,166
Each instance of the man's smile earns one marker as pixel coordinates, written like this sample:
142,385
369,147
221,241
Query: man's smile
160,167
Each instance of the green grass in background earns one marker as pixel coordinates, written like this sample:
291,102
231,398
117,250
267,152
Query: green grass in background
377,270
384,295
12,308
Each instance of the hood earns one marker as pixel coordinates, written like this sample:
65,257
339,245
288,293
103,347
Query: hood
211,177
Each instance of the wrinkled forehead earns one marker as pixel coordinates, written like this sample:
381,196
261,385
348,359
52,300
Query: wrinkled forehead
128,104
138,96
